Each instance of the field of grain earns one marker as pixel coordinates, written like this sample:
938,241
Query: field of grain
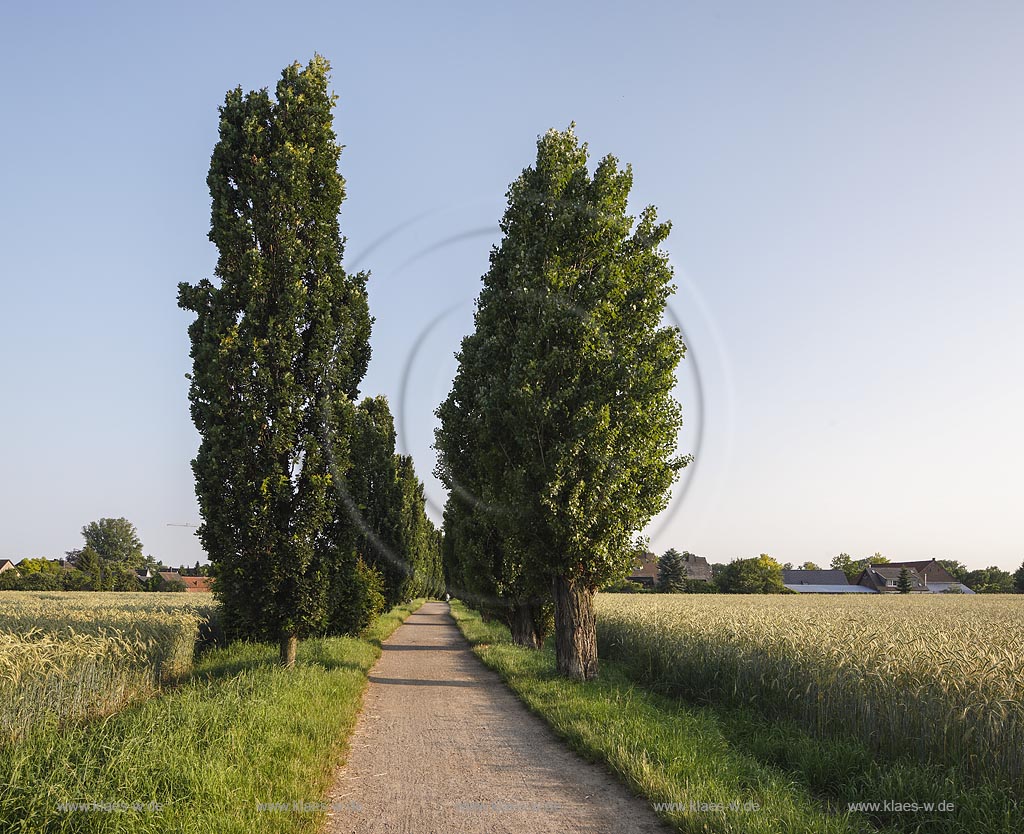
938,678
72,655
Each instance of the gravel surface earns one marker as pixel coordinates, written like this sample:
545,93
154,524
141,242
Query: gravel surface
441,745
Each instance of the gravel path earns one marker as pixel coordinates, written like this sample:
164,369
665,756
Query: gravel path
441,745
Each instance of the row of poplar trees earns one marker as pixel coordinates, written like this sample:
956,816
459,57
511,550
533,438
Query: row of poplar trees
558,439
311,522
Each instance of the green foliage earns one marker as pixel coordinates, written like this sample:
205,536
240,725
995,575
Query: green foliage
76,580
375,496
560,428
36,581
1018,579
418,537
88,562
991,580
671,573
357,597
810,566
762,575
39,565
621,586
387,509
904,583
114,540
279,346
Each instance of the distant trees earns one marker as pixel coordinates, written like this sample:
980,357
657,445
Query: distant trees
671,573
991,580
846,564
115,540
110,557
565,387
39,565
762,575
854,567
1018,579
387,509
904,582
88,562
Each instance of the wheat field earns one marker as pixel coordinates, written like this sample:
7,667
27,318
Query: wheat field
938,678
72,655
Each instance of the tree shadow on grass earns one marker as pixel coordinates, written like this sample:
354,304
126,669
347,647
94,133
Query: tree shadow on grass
311,653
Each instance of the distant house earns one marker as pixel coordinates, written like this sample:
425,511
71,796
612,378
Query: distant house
936,578
885,579
168,576
197,584
7,564
820,582
697,568
645,571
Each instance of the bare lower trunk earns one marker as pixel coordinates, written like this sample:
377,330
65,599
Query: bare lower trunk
522,621
575,630
289,645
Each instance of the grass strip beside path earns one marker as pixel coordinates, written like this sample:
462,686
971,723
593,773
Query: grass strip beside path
243,746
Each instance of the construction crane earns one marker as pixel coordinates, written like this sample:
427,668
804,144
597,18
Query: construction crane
172,524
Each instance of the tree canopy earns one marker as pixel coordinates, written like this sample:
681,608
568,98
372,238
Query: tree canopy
114,540
564,388
762,575
279,345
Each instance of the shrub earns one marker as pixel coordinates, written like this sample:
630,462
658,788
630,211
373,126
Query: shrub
357,601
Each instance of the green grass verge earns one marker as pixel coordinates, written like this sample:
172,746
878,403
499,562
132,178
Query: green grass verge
205,756
669,751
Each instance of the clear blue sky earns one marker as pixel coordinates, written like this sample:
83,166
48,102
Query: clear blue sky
846,186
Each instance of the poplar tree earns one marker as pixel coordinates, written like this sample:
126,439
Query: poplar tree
574,423
482,562
280,344
374,497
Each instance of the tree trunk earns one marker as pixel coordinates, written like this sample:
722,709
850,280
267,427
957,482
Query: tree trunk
575,630
289,645
523,625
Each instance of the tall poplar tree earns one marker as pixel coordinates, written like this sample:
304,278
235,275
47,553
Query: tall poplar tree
482,561
572,372
374,495
280,344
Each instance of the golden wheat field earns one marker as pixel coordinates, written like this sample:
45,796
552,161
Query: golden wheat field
70,655
936,677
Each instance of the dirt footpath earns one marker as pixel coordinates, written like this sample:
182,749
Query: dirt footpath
442,746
